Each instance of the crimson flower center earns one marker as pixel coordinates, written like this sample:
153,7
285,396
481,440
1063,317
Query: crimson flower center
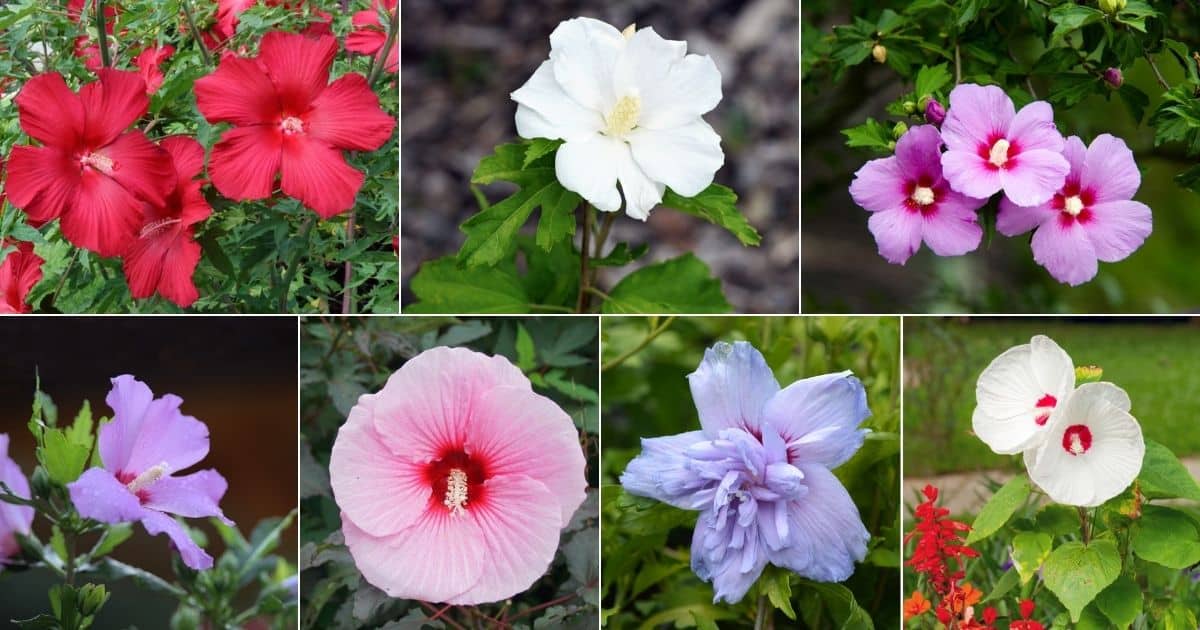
291,125
456,481
1047,402
1077,439
100,162
138,484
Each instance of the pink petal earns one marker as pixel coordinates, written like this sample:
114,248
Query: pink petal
1035,177
897,233
953,229
1013,219
1033,128
1076,153
362,469
244,163
112,104
1110,171
919,153
522,433
318,175
195,496
50,112
157,523
98,495
347,116
970,174
879,185
438,558
977,112
13,518
298,65
42,181
1118,228
1066,252
146,432
517,523
238,92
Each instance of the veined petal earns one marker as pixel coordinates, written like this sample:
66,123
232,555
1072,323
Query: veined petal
318,175
164,264
141,167
1018,391
589,167
105,216
685,158
977,112
819,416
298,66
674,89
98,495
731,387
1033,128
50,112
158,523
583,54
1066,252
195,496
546,111
1109,170
42,181
16,518
244,163
238,92
111,105
1035,177
146,432
347,116
186,154
897,234
1013,219
969,174
953,229
641,193
661,472
1119,228
827,533
879,185
919,154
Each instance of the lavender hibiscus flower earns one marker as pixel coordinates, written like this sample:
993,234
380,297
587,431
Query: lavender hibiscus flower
758,471
147,441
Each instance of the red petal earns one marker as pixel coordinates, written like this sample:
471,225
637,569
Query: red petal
163,263
105,218
141,167
50,112
347,116
111,105
299,67
148,62
318,176
238,92
368,36
41,181
20,271
244,163
186,154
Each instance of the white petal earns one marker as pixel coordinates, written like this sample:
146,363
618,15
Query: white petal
646,62
1106,468
1008,392
674,89
641,193
545,110
583,52
684,158
589,167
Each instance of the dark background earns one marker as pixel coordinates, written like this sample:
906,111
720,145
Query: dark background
236,374
460,59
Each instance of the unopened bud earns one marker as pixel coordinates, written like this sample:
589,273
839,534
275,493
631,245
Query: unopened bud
879,52
1112,6
1114,78
910,107
934,112
899,130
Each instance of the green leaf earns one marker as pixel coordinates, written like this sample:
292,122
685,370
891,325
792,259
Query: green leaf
557,222
1076,573
1189,179
999,508
441,286
841,605
264,542
1071,17
525,351
538,148
870,135
679,285
109,570
1058,520
1029,551
63,459
1167,537
1003,586
1121,602
1163,476
717,205
621,255
112,537
931,79
1177,617
778,586
1136,100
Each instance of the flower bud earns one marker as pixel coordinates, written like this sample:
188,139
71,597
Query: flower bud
91,598
1112,7
1114,78
879,52
934,112
899,130
910,107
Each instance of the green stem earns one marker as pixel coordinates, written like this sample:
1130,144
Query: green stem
1157,74
764,613
294,263
348,272
585,257
1084,531
70,540
191,22
63,279
957,65
380,60
651,336
102,34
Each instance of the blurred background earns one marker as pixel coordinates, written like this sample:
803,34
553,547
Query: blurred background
236,374
843,272
461,59
646,579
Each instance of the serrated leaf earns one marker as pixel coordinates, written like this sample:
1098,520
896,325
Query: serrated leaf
441,286
870,135
931,79
1189,179
538,148
679,285
716,204
63,459
999,508
557,221
1076,573
1070,17
621,255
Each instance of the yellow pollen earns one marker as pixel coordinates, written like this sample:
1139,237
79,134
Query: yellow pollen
102,163
456,492
1073,205
999,153
291,125
623,117
1076,444
922,196
629,31
152,474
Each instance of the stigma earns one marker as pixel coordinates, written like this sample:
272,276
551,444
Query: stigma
149,476
922,196
623,117
291,125
1073,205
100,162
456,492
998,156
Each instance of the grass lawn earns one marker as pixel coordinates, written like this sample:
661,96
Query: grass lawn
1157,362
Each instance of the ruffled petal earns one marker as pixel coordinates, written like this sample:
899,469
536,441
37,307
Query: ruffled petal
970,174
819,416
674,89
318,175
105,216
897,234
827,535
1066,252
953,228
730,556
147,432
731,387
545,111
1033,128
684,158
347,116
589,167
111,105
42,181
660,472
238,92
879,185
50,112
641,193
1013,219
158,523
1018,391
583,54
98,495
977,112
298,66
195,496
1118,228
244,163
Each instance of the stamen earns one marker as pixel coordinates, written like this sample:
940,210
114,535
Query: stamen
456,492
100,162
1073,205
291,125
155,226
922,196
152,474
998,156
623,117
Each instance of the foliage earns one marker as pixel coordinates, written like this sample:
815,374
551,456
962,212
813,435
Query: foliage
248,570
342,359
271,255
647,580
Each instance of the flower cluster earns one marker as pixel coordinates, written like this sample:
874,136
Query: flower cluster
1076,198
759,472
1080,444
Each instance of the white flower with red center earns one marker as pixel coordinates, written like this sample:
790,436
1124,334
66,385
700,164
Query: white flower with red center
1093,447
1018,392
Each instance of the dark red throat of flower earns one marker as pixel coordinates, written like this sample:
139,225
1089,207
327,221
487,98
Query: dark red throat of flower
1077,439
1047,402
457,481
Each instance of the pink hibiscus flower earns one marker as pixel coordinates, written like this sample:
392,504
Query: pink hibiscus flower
90,170
165,254
480,475
369,34
911,202
990,149
290,121
19,273
14,519
1090,218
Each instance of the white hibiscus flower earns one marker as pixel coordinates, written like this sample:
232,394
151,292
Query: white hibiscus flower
628,106
1018,392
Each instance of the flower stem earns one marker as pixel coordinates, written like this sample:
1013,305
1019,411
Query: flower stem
1157,74
380,60
1084,530
957,65
348,274
581,302
294,263
191,22
70,540
763,618
655,331
102,34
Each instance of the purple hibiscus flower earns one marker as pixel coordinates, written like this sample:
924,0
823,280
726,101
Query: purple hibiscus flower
147,442
910,202
1091,218
14,519
990,148
758,471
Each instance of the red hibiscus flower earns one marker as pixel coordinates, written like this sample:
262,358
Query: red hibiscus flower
148,63
369,34
229,12
165,254
290,121
75,12
90,171
20,270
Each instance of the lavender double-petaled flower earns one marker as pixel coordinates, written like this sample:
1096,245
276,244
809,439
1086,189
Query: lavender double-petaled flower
759,472
147,441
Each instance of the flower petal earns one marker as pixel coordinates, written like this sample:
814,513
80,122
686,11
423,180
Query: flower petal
99,496
13,518
141,167
1118,228
347,116
819,416
641,193
827,535
318,175
660,472
186,154
1013,219
111,105
976,113
970,174
583,53
244,163
919,154
238,92
42,181
1035,177
545,111
674,89
105,216
158,523
50,112
1066,252
1010,414
1033,128
953,229
897,234
685,158
195,496
589,167
731,557
731,387
146,432
879,185
298,66
1110,171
